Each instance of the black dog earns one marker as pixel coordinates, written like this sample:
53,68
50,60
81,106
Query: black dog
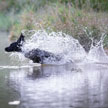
36,55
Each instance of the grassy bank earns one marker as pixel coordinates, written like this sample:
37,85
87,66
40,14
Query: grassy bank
82,20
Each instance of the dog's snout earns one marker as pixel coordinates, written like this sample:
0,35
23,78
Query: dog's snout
7,49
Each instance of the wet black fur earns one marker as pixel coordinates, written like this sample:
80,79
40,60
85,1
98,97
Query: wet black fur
36,55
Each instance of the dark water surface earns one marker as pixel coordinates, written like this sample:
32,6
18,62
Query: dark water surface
51,86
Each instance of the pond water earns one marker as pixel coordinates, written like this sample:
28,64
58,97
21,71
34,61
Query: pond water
71,85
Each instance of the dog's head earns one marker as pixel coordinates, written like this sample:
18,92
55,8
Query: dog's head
16,46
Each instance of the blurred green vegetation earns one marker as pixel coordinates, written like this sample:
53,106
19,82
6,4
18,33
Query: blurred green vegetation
5,22
18,5
79,18
97,5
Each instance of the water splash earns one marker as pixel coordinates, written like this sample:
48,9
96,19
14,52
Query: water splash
97,53
57,43
64,45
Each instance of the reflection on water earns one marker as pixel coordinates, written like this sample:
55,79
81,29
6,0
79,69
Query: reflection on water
67,86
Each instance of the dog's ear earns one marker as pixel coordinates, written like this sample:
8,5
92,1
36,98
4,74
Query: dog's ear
21,38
